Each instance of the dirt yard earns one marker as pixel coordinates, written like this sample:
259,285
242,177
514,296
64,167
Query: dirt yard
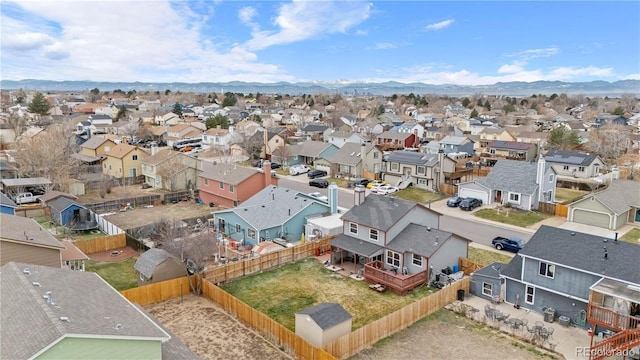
148,215
109,256
210,332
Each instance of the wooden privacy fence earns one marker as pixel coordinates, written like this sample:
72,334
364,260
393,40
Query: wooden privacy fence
265,326
366,336
468,266
103,243
158,292
448,189
560,210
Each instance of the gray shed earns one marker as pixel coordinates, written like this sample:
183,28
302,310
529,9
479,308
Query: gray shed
157,265
486,282
323,323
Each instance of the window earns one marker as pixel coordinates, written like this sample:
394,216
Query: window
221,185
395,166
420,170
277,141
581,168
487,289
529,294
393,258
550,177
231,188
547,269
238,228
373,234
566,167
416,260
135,157
376,154
206,181
422,181
107,148
492,151
353,228
514,197
251,233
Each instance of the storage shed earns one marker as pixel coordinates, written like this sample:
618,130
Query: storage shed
323,323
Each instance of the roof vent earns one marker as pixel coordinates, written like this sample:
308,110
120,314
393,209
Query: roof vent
428,228
573,234
605,240
35,283
64,318
26,271
117,326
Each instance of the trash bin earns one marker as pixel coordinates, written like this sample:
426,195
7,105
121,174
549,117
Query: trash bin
461,294
549,315
564,320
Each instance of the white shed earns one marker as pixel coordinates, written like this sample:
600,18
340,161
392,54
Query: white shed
323,323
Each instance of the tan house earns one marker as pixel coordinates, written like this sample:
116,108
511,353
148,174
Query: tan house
24,240
426,171
97,146
323,323
183,131
170,170
166,118
123,161
275,141
490,134
156,265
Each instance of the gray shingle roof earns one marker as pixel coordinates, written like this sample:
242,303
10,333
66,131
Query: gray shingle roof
61,203
272,206
26,230
343,155
453,140
379,211
512,175
26,182
570,157
50,195
394,135
492,270
355,245
585,252
514,268
29,323
412,157
327,315
510,145
620,195
418,240
309,148
5,201
315,128
94,142
227,173
150,259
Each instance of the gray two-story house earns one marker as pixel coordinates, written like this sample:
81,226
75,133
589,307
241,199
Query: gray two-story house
353,160
426,171
397,242
561,270
457,145
575,164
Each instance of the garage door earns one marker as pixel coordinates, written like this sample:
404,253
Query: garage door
591,218
476,194
326,168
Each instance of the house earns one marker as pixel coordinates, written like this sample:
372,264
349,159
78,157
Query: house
486,282
533,137
72,257
314,131
490,134
575,126
457,145
353,160
156,265
274,212
229,185
575,164
71,215
76,314
123,161
323,323
567,271
397,140
510,150
410,128
514,183
97,147
166,118
306,152
7,171
183,131
610,208
52,195
24,240
397,241
426,171
274,141
7,206
170,170
339,137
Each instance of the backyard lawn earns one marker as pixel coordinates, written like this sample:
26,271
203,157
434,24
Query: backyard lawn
418,195
486,257
61,233
121,275
633,236
511,216
564,194
281,293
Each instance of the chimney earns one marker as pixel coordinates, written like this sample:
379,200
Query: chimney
540,173
363,154
606,255
440,174
88,133
358,195
154,149
266,167
333,198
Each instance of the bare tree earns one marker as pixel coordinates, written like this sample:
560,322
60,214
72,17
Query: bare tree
17,123
170,168
610,141
629,102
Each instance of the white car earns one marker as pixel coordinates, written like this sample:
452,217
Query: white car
319,196
298,169
386,189
376,187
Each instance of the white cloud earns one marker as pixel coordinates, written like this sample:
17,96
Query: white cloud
26,41
516,66
439,25
631,77
361,32
246,16
535,53
302,20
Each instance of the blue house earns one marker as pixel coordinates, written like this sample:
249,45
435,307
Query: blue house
306,152
274,212
589,279
72,215
457,144
7,206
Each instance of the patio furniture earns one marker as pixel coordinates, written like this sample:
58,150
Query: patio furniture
531,331
515,324
549,331
525,321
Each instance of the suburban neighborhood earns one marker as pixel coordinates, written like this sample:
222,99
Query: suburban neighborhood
136,223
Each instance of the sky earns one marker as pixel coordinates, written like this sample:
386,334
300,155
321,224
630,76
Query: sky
454,42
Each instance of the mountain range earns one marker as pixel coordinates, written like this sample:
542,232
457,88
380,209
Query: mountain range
519,89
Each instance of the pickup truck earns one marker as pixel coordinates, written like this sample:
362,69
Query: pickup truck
26,198
512,244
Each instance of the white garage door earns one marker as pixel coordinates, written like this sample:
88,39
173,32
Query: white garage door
476,194
324,167
591,218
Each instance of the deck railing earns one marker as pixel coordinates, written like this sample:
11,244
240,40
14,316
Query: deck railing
374,272
613,320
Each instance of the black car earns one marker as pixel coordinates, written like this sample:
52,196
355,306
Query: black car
275,165
321,183
454,201
469,204
361,182
316,174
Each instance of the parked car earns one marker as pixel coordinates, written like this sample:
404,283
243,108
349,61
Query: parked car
257,163
316,174
374,188
275,165
386,189
469,204
512,244
361,182
319,196
454,201
298,169
376,182
26,198
321,183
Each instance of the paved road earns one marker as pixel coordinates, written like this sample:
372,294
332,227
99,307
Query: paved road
301,183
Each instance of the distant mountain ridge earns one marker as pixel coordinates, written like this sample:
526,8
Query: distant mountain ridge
592,88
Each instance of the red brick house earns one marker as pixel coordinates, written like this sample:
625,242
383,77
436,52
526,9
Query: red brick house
397,139
229,185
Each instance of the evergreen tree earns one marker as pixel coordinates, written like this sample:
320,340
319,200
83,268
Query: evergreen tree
562,138
474,113
177,109
221,120
39,105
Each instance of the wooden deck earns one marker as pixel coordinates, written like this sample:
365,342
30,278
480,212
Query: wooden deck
610,319
375,273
